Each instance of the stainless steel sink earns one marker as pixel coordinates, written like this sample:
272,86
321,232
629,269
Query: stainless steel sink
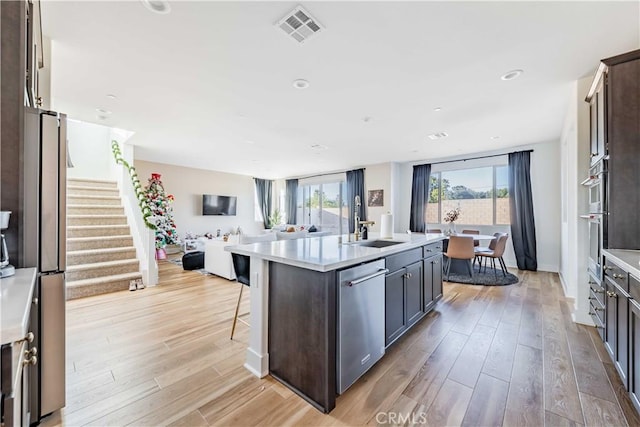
377,243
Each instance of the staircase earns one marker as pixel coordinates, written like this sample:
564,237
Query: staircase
101,257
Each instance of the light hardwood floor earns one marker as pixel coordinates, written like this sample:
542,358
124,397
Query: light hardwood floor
485,356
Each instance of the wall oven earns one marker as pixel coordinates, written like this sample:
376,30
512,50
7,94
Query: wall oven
597,216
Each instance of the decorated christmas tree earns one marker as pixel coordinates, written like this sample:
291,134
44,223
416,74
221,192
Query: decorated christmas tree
160,203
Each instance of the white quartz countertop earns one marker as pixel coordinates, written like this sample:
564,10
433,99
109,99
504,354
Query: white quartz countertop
15,301
625,258
330,252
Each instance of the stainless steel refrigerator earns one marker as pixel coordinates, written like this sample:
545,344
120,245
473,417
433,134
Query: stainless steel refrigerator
45,222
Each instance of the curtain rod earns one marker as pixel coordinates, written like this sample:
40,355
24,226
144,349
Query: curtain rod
324,174
480,157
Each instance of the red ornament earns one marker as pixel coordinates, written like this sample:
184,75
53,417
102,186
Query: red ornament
155,176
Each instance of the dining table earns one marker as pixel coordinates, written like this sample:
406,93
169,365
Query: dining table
460,266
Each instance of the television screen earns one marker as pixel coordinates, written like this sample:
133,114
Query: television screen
218,205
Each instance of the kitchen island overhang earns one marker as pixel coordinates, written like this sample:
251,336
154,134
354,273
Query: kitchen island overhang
304,290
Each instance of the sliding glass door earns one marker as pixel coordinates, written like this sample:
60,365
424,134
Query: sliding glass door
323,205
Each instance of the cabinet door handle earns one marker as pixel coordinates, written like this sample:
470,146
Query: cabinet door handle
618,276
596,291
612,294
598,309
593,155
607,267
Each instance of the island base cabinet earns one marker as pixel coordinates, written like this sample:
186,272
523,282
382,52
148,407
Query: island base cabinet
302,332
617,329
634,353
413,294
432,282
394,318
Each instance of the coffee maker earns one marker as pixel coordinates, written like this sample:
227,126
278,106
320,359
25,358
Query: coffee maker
6,269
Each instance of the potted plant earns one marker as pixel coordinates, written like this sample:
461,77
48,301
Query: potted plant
276,218
450,218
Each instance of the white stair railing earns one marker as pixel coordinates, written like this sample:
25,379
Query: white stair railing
138,214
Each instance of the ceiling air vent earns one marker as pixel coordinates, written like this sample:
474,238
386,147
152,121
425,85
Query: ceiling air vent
438,135
299,25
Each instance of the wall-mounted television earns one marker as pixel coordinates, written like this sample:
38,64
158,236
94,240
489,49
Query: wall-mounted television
218,205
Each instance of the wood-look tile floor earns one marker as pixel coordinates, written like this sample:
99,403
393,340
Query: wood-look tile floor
485,356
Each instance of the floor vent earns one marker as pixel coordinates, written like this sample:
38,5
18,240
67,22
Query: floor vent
299,25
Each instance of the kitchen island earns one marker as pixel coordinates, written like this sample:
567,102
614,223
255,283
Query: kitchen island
296,287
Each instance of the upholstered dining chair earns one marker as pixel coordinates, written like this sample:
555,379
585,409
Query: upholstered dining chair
241,267
475,242
491,247
496,253
460,247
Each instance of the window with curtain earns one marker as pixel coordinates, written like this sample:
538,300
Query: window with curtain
323,205
481,193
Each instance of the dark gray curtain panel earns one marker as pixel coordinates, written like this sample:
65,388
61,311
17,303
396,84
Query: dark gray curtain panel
523,226
263,190
355,187
291,200
419,197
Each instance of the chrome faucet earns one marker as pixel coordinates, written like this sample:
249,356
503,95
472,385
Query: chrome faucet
356,218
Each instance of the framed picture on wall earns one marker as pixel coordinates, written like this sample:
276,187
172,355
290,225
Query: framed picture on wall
376,198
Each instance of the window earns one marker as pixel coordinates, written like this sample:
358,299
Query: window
482,195
324,205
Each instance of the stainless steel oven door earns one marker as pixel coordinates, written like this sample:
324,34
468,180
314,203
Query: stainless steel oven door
595,245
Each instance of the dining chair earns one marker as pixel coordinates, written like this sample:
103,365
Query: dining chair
460,247
491,247
496,253
475,242
242,266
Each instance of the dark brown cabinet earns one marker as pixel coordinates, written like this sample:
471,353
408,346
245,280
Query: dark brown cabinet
412,287
413,293
634,352
432,282
614,99
616,334
394,306
403,300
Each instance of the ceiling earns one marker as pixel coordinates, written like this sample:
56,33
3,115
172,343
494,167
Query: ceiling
209,85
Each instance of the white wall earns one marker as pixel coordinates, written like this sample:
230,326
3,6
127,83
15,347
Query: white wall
90,151
189,184
545,185
574,230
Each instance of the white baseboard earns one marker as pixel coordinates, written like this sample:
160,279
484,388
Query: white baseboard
257,364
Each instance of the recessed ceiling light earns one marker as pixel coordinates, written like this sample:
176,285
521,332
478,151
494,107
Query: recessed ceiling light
437,135
495,137
513,74
103,112
158,6
300,84
367,119
111,96
437,109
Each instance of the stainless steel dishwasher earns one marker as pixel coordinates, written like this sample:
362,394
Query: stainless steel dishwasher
360,321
